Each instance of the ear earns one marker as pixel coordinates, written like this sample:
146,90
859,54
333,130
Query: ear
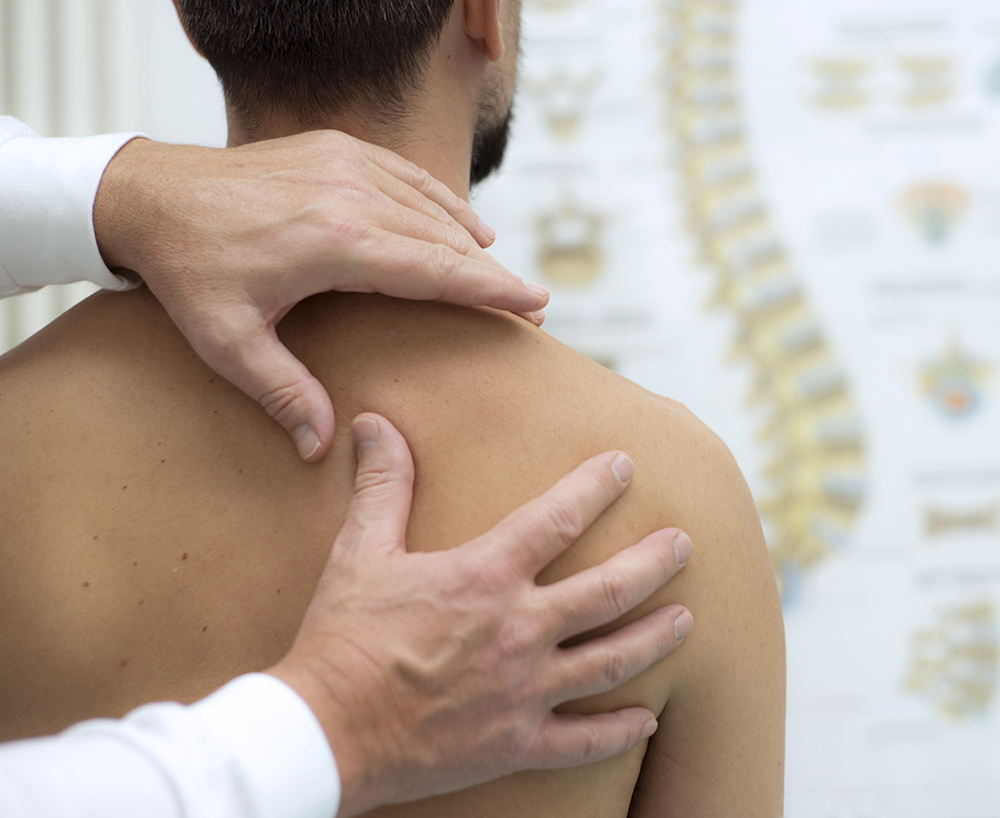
483,25
194,45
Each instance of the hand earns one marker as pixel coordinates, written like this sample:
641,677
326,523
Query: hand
435,671
230,240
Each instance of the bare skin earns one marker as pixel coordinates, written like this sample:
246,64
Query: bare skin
178,546
229,241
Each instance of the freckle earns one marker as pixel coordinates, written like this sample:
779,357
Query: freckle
241,471
279,592
215,412
184,556
95,536
141,601
134,564
86,585
204,629
123,662
163,461
124,487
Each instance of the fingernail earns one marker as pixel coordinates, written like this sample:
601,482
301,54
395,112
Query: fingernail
648,729
537,289
489,232
366,435
683,547
538,318
624,468
306,441
683,625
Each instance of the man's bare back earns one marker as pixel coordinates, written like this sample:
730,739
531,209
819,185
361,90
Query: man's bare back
161,537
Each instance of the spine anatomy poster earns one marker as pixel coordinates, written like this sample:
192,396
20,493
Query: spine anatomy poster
786,214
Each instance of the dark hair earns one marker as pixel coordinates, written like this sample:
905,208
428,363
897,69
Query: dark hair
315,57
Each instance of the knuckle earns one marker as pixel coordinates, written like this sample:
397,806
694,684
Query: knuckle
356,188
523,745
615,669
220,324
377,485
459,240
281,402
591,747
421,179
441,214
223,337
486,575
617,593
377,474
517,637
342,143
564,520
342,230
443,261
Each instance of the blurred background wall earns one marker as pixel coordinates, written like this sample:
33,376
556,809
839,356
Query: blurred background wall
80,67
785,214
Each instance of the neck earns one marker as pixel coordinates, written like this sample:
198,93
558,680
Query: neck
444,152
435,135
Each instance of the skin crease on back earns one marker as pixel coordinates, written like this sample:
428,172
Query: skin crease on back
160,535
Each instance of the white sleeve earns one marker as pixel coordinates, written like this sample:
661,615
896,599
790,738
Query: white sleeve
253,749
47,193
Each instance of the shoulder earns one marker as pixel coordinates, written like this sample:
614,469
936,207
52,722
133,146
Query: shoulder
496,411
512,408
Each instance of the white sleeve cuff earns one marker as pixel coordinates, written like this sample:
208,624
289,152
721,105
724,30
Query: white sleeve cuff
253,749
275,746
47,193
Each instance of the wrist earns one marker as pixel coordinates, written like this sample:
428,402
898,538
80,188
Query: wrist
346,739
118,206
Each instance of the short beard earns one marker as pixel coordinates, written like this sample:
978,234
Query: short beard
488,146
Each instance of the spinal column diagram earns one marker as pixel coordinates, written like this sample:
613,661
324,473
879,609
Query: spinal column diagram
813,430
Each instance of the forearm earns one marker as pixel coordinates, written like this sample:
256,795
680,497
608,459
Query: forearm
252,749
47,199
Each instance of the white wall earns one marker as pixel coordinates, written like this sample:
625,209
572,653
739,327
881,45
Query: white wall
80,67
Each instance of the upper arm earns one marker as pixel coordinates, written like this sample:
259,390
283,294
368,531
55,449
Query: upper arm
719,750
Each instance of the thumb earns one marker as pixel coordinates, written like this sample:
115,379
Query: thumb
383,486
266,371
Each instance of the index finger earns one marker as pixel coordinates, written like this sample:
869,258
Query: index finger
438,192
405,267
542,529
